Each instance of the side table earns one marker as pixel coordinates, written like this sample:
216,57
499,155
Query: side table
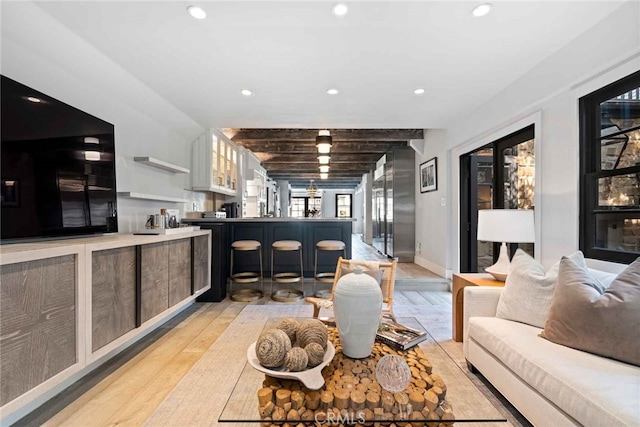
460,281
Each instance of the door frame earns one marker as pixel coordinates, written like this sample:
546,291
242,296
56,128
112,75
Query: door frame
454,155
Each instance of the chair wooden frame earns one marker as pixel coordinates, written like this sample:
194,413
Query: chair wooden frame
387,278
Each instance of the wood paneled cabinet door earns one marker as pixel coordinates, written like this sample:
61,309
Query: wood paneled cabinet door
179,270
200,257
165,275
37,321
154,280
113,294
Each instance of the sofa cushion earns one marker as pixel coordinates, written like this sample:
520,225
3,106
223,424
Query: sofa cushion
604,277
593,390
585,316
528,290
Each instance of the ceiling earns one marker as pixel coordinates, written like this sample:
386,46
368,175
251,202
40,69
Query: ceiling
291,154
289,53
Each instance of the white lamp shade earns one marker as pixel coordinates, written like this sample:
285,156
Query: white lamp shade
506,225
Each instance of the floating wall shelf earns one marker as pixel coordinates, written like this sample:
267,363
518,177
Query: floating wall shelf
160,164
144,196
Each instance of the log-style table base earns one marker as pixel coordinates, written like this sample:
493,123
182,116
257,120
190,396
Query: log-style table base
351,394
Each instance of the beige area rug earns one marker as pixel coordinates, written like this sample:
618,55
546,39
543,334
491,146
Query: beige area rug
200,397
198,400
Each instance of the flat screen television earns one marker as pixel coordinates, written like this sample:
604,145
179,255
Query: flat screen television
57,166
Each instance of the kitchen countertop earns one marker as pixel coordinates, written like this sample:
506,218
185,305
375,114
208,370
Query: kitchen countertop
265,219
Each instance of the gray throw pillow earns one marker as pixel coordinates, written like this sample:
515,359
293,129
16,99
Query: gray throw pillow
587,317
528,290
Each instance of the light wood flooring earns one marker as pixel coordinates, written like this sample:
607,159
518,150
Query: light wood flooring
406,271
128,389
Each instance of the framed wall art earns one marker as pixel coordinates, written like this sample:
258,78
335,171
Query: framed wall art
429,175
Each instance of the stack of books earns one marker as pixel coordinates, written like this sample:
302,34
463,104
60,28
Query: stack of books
399,337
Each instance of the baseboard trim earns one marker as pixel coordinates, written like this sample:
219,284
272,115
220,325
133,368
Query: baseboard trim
439,270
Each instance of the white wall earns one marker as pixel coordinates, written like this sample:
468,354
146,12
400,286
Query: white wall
43,54
432,208
547,96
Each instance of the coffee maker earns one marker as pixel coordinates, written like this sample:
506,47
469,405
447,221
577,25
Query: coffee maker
231,209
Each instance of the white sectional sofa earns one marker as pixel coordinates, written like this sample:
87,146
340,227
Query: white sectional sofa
550,384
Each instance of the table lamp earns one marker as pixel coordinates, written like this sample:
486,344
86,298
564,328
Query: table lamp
505,225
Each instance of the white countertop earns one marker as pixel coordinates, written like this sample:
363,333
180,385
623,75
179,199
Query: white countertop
265,219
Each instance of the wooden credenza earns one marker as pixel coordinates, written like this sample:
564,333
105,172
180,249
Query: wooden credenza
460,281
68,306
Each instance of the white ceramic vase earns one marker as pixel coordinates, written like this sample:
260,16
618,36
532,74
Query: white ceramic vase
357,305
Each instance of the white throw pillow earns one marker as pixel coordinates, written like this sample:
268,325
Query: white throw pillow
528,290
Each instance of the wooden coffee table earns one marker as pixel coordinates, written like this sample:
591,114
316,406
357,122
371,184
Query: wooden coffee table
438,384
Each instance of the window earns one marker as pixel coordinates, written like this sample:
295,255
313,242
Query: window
313,207
305,207
343,206
298,207
610,171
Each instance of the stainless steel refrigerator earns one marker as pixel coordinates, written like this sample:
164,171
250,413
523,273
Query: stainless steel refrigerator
393,205
379,222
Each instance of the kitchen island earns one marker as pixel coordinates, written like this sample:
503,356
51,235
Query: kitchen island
308,231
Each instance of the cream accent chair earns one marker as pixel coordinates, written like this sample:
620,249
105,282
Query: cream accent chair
387,284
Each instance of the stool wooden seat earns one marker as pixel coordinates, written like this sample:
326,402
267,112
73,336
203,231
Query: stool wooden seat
328,276
244,277
288,277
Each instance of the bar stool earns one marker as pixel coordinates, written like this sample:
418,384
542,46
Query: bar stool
286,295
326,277
244,277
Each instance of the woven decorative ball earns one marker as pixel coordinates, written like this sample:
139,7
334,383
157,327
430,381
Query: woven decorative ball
393,373
296,360
312,330
315,352
289,326
272,347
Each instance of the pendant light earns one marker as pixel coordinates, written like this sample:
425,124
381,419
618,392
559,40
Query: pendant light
312,190
323,142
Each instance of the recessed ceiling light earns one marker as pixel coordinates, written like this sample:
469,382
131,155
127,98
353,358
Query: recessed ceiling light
419,91
33,99
332,91
324,175
482,9
246,92
91,140
340,9
324,168
197,12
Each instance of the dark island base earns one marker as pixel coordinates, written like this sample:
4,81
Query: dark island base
308,232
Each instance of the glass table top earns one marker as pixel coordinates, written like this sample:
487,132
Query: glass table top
459,400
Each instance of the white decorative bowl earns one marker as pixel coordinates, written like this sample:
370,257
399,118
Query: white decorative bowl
311,378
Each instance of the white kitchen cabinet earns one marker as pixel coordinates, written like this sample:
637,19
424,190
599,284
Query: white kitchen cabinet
214,164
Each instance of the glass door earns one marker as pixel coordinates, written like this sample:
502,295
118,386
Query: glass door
498,176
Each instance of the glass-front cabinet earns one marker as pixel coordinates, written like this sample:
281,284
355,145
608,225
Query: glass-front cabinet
214,164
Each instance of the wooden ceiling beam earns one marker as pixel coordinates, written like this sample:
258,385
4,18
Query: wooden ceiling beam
247,135
291,154
306,167
329,186
313,175
346,147
268,158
